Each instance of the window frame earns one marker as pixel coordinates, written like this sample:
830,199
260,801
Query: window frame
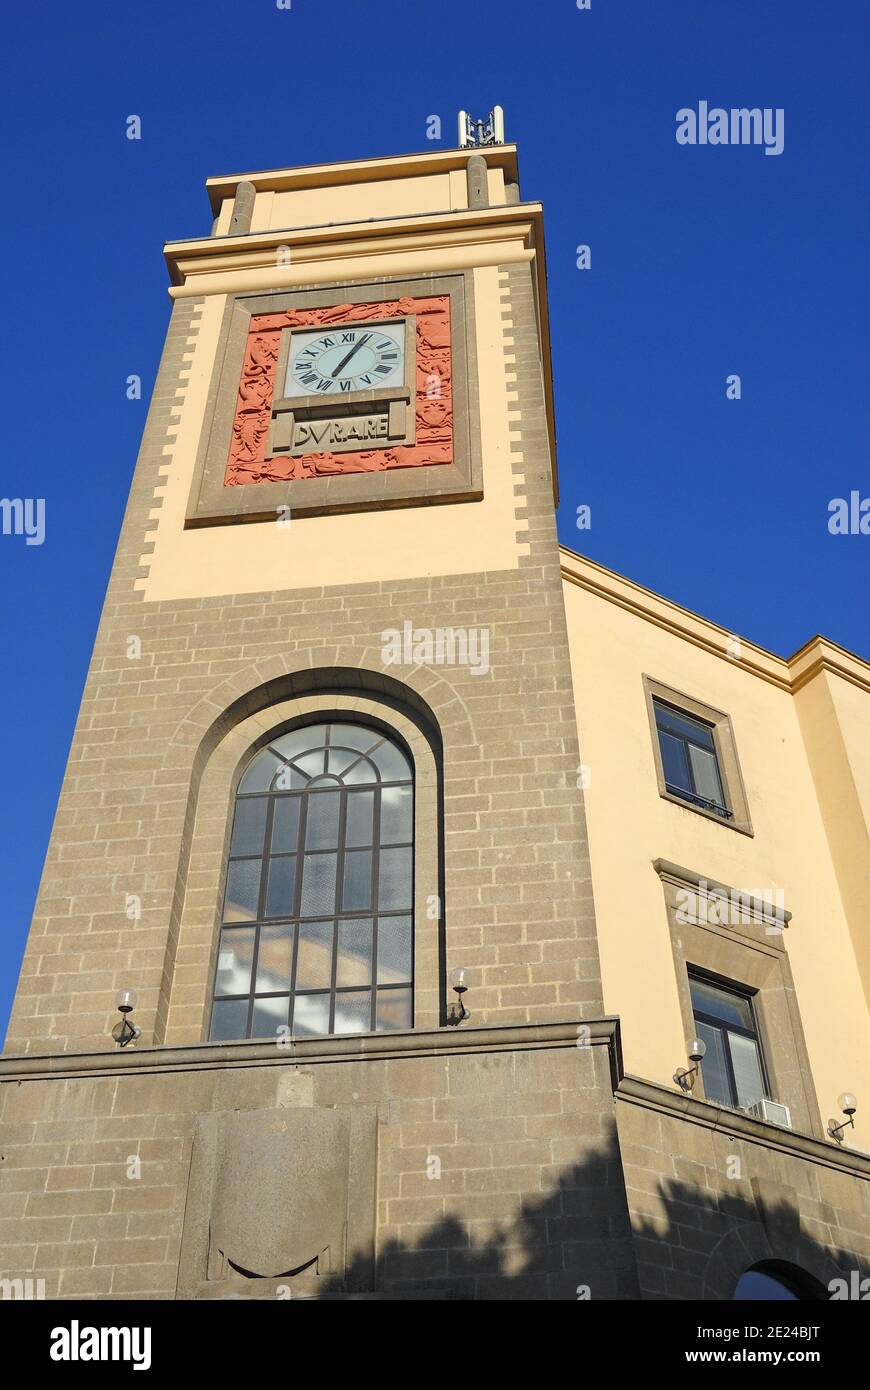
747,995
295,919
724,745
691,794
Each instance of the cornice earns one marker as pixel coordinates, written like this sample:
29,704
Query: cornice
819,655
368,1047
816,656
385,235
432,1042
634,1091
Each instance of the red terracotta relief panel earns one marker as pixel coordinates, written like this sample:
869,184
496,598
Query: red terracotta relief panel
248,462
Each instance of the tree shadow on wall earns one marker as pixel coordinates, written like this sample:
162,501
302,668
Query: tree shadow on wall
684,1241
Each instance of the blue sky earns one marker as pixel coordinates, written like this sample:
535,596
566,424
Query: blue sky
706,261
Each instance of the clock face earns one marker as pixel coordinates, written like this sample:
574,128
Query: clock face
333,362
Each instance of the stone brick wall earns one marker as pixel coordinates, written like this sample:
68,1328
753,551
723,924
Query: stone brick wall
517,889
712,1193
523,1199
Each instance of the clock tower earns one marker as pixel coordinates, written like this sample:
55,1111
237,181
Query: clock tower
326,758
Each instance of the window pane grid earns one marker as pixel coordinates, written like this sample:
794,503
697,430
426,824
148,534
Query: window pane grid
734,1073
690,759
682,725
329,786
299,884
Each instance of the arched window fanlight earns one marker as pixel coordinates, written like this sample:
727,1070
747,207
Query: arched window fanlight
775,1281
317,929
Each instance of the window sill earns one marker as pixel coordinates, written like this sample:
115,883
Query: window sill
746,1110
731,823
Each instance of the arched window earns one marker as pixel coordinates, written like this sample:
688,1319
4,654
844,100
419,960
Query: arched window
317,925
774,1281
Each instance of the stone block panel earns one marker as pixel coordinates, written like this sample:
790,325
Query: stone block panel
707,1203
485,1177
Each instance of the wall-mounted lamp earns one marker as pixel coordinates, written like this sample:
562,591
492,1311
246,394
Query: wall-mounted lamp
126,1032
458,1012
848,1104
686,1078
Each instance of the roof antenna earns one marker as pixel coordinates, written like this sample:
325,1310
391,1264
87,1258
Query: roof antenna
475,133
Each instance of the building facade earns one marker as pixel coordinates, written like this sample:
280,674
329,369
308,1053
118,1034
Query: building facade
355,721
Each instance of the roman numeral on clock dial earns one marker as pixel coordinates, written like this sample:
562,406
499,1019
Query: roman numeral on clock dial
354,359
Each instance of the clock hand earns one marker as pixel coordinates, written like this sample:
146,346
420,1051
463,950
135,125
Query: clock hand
344,361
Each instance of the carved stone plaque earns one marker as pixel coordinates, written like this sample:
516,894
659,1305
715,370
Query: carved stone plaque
280,1195
306,431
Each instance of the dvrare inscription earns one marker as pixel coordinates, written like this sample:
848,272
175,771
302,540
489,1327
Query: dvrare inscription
350,433
344,428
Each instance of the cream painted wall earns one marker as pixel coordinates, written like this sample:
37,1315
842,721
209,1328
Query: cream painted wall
494,186
351,549
395,197
355,202
630,825
835,720
852,709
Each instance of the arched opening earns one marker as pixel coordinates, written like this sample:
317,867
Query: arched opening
775,1281
317,916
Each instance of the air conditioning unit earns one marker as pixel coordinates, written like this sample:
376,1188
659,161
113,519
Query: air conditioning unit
771,1111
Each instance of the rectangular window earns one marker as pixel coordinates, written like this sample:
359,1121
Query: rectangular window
733,1066
695,755
689,759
